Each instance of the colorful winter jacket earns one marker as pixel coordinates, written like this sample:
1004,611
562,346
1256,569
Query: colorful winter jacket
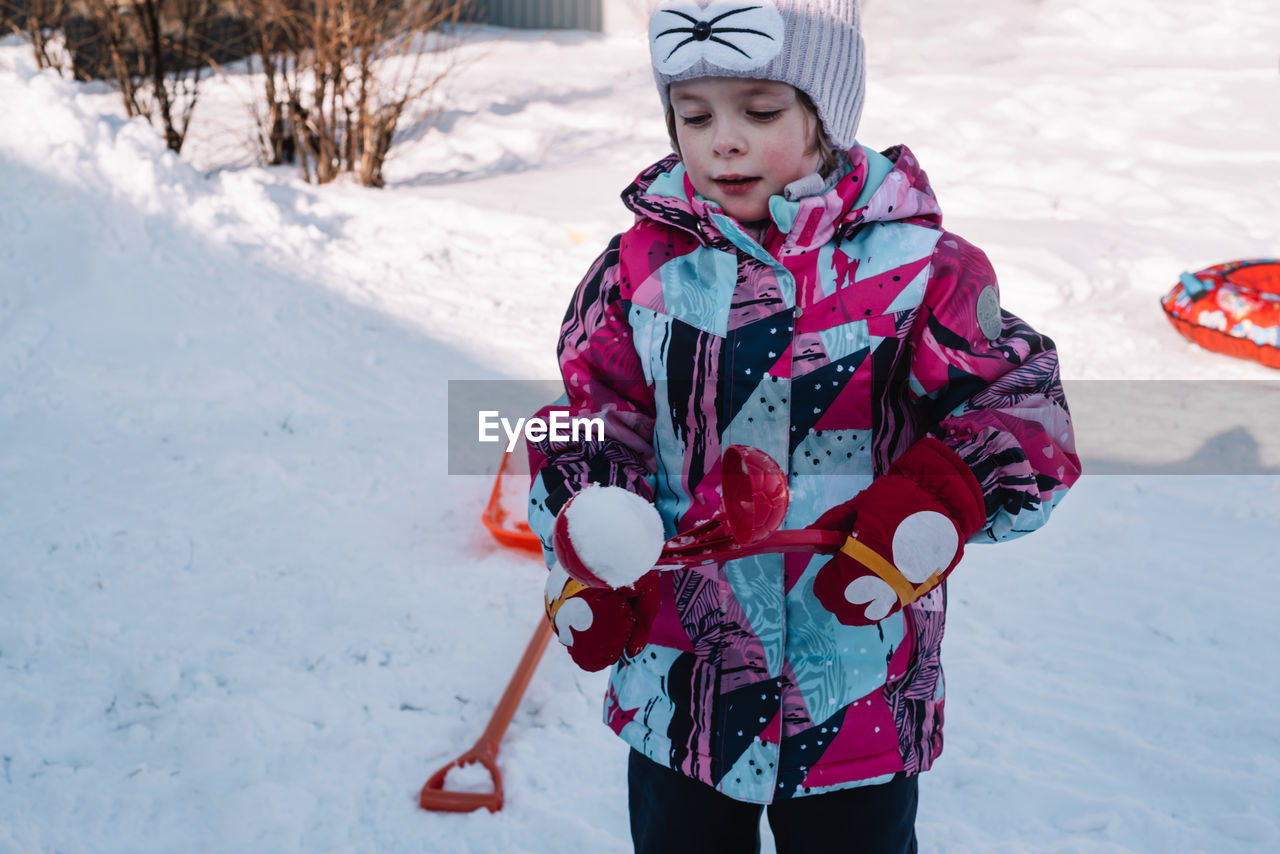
854,327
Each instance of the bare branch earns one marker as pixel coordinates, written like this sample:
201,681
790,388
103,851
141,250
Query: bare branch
345,73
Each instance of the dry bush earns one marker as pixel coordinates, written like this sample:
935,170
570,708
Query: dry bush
340,76
155,52
44,23
275,37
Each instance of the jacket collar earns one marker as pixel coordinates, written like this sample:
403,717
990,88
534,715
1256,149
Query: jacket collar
874,188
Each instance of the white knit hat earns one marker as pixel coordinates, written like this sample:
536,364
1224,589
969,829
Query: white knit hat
815,45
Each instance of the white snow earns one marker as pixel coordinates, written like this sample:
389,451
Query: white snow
615,533
244,608
472,777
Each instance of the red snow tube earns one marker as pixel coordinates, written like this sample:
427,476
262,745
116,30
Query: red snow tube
1231,308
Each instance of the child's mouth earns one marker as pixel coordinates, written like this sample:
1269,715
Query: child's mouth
736,185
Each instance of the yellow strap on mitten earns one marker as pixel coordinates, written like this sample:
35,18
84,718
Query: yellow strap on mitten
887,572
571,589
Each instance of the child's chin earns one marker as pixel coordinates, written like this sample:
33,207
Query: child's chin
748,212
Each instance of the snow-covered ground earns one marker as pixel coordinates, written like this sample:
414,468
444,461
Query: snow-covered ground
243,606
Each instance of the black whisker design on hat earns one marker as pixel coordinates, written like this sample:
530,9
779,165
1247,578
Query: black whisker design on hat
719,18
688,18
732,45
702,31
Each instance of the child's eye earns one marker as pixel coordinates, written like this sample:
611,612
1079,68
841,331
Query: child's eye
764,115
695,121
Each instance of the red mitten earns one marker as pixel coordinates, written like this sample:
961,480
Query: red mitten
599,624
906,533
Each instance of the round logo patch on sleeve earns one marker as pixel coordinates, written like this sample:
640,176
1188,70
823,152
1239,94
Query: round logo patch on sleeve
988,310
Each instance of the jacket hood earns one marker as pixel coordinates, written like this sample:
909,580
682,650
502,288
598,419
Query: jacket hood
875,187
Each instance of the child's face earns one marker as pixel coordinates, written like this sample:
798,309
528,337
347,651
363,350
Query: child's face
743,140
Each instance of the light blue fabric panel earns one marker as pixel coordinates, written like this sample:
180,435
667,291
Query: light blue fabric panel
879,250
697,288
742,783
786,282
639,685
541,521
756,582
729,228
835,664
835,478
827,283
857,784
913,294
670,496
845,339
669,185
756,426
643,322
917,387
1007,526
783,212
878,167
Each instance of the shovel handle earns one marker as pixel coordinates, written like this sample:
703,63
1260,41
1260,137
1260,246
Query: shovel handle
807,540
506,708
434,796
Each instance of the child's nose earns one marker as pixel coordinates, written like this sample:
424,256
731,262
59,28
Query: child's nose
729,139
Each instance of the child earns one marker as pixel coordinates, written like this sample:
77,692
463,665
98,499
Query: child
787,289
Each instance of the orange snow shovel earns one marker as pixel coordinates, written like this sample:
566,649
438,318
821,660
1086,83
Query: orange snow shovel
485,751
434,796
512,534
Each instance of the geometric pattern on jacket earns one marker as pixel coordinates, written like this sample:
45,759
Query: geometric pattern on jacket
853,328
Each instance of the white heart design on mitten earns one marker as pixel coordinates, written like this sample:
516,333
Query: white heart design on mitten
923,544
574,615
872,590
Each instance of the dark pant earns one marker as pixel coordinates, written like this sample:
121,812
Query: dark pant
672,814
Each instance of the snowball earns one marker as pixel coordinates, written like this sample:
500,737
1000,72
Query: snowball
616,533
